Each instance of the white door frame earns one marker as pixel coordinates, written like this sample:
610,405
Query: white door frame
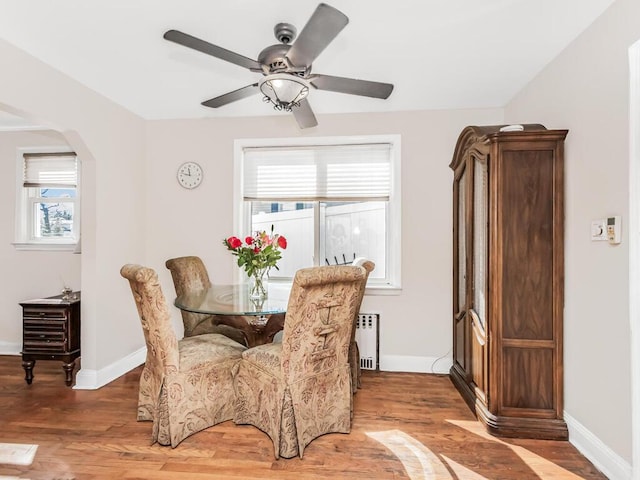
634,250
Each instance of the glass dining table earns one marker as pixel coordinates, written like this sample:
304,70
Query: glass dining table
258,320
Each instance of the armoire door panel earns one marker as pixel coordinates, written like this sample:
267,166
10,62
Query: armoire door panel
527,238
528,375
461,349
460,340
479,368
480,238
461,242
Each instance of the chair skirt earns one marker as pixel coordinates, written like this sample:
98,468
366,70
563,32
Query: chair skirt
294,414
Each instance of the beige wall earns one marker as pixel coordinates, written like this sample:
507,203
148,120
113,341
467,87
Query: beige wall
416,324
40,273
110,144
586,90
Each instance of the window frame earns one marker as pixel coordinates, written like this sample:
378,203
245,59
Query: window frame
242,215
24,217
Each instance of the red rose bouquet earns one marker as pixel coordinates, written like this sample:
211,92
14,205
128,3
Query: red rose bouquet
257,254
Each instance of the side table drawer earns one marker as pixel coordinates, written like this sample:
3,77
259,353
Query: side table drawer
29,324
44,314
44,340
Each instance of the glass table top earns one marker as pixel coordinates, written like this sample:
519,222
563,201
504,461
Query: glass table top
234,300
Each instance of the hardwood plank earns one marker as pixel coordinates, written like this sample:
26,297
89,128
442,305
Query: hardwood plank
94,435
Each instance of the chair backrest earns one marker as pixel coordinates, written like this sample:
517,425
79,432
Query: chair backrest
369,266
319,319
189,275
162,344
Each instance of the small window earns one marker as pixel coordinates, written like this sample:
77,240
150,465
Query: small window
333,199
48,215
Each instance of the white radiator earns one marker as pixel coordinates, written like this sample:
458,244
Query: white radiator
368,340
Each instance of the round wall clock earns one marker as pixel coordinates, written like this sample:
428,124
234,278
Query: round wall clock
189,175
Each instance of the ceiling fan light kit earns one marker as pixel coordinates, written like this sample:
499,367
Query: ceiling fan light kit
286,66
283,90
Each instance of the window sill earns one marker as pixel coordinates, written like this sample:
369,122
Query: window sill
382,290
49,247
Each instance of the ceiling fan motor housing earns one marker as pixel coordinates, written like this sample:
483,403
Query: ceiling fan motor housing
273,57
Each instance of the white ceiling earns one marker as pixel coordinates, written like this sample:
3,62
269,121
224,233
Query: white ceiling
439,54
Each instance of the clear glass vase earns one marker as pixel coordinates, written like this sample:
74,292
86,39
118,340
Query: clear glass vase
259,284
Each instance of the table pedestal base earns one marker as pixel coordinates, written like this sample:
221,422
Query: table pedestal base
257,329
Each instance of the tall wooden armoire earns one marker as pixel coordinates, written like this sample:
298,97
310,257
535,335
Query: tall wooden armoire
508,216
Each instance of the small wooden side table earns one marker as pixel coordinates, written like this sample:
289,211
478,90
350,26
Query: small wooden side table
51,331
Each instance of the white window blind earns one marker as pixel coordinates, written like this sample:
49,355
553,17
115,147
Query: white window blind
53,170
318,173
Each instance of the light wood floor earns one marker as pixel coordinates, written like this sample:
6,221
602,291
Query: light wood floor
406,426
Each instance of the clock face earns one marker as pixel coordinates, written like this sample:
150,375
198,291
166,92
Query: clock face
190,175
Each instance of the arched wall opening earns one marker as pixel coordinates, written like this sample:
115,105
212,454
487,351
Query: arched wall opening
39,274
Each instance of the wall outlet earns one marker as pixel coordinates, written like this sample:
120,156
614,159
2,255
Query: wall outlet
599,230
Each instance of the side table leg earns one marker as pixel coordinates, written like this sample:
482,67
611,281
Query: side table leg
28,370
68,370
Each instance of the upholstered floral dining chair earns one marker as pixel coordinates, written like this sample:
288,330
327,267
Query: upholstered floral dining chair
354,351
189,274
186,385
300,389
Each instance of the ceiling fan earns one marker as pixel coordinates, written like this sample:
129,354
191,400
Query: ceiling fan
286,66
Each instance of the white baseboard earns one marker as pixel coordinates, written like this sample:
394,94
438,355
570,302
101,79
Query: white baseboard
87,379
7,348
604,459
405,363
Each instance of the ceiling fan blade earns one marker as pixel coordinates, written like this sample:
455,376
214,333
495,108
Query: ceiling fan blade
187,40
351,86
238,94
304,115
323,26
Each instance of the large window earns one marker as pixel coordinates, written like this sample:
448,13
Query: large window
47,213
334,199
